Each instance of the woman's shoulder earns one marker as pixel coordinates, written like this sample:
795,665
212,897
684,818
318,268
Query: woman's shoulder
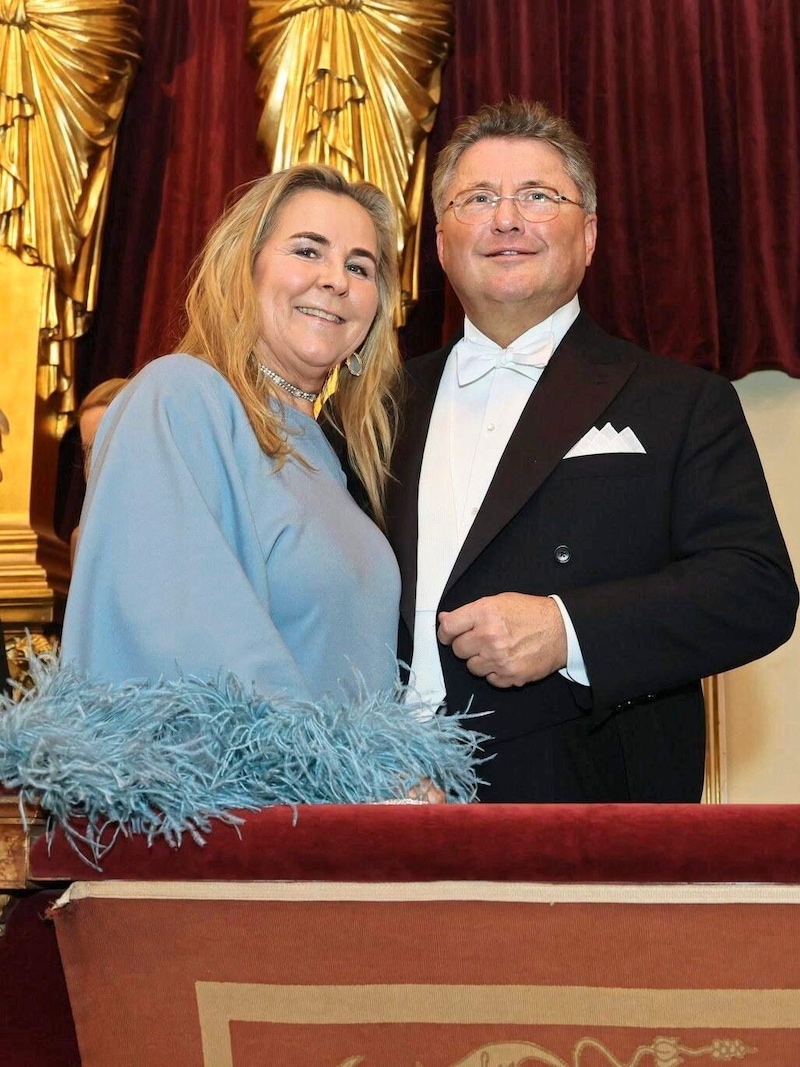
181,381
178,368
178,391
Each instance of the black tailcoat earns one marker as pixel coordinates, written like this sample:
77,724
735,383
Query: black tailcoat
671,565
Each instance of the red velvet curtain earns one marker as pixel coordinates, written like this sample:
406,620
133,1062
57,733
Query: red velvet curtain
186,142
691,110
692,114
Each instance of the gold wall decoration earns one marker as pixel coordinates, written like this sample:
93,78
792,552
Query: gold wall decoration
65,70
355,83
19,825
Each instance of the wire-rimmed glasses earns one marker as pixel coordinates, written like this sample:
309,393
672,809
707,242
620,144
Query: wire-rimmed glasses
535,204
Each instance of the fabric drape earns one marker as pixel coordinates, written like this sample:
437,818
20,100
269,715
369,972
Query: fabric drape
187,142
692,114
691,111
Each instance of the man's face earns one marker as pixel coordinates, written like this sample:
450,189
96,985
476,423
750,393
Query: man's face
507,272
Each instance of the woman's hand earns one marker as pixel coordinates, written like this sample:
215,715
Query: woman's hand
426,792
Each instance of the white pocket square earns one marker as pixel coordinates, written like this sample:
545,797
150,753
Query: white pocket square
606,441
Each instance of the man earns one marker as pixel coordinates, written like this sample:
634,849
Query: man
583,528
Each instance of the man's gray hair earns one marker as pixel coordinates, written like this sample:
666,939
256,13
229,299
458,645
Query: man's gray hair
516,118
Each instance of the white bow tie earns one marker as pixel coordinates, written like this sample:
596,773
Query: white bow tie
474,359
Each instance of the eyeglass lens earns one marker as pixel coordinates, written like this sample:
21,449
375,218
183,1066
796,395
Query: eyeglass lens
533,205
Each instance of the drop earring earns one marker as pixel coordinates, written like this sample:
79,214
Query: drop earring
355,364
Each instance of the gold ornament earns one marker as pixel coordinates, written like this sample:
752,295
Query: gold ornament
356,84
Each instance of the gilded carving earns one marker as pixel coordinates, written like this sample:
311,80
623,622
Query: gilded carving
355,83
65,70
19,650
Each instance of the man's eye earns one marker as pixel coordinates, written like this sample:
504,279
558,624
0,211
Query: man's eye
535,196
478,197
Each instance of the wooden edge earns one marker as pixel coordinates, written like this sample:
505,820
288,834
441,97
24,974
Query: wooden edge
715,790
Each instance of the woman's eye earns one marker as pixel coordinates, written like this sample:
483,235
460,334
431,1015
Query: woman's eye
358,268
306,251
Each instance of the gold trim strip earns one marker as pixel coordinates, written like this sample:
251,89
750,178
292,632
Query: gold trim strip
220,1003
514,892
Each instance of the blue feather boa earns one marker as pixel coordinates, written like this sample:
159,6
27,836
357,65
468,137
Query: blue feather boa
165,759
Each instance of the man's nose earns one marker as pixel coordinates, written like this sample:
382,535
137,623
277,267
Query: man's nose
507,214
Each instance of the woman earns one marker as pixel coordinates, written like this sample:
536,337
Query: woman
229,634
217,534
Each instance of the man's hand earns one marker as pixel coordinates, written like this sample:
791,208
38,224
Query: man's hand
508,639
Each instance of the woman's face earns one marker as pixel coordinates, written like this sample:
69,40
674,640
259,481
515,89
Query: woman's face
89,421
316,285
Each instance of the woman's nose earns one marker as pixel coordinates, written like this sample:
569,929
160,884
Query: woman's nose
334,276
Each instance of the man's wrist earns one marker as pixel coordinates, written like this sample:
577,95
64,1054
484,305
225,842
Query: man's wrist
574,669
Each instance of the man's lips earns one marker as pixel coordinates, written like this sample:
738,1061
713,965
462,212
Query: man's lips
509,253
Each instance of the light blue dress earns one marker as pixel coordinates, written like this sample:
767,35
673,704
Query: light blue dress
196,555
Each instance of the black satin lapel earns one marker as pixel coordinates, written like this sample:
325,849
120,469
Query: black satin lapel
572,394
422,382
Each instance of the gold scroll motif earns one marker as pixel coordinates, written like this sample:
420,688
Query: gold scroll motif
663,1052
65,71
356,84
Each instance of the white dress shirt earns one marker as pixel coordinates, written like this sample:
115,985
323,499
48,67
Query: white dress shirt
482,393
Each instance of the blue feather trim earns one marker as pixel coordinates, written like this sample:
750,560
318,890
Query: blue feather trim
165,759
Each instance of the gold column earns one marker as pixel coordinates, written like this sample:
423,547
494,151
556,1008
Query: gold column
28,459
65,70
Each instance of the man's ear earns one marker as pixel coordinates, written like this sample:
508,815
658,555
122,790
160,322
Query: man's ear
440,243
590,236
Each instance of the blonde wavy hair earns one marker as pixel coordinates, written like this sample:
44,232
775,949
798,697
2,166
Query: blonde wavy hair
102,395
99,397
223,323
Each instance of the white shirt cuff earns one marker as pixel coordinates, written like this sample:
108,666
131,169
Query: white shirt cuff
575,669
